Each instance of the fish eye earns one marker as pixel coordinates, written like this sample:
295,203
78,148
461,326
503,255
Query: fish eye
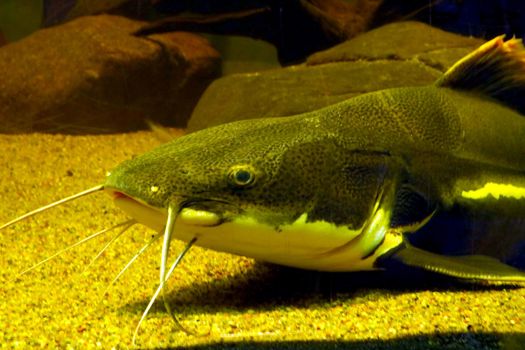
241,176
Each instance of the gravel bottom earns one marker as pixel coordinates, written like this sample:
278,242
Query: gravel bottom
69,302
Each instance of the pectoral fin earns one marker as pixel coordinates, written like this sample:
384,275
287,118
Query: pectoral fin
479,268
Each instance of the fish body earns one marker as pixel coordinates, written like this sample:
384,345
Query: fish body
344,188
430,178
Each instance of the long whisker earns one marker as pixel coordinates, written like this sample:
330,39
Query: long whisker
161,287
166,304
168,231
111,241
173,213
132,260
84,240
54,204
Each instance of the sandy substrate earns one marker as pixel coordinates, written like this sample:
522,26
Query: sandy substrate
62,303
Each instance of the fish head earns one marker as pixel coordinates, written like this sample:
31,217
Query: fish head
281,190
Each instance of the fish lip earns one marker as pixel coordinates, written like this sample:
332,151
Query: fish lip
117,194
184,201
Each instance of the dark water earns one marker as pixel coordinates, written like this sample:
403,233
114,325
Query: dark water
484,19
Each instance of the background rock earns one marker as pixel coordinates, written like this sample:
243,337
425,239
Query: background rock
298,89
91,75
401,41
400,54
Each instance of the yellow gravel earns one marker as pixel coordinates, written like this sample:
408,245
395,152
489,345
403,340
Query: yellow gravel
62,304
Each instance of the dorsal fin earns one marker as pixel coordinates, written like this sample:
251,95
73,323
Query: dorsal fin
496,69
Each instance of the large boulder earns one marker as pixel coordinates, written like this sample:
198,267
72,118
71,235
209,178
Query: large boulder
400,54
92,75
401,41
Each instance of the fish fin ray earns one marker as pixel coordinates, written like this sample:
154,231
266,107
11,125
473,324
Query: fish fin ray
477,268
412,209
496,69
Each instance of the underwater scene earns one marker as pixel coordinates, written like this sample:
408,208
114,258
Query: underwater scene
266,174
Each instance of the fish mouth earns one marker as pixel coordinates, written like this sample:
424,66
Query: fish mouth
192,212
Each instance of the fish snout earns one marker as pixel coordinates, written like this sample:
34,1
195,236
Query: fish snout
155,218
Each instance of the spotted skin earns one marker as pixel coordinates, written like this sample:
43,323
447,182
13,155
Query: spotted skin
336,164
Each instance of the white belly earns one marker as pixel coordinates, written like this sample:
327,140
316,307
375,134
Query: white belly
315,245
